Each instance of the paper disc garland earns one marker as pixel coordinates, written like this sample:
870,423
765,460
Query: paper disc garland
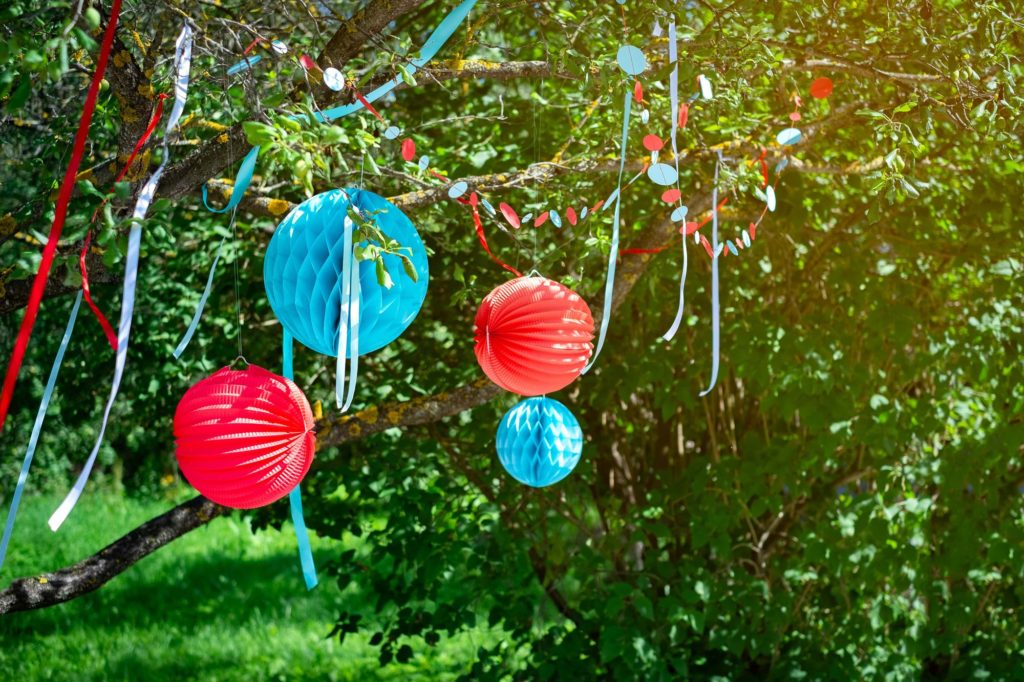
539,442
533,335
244,438
303,267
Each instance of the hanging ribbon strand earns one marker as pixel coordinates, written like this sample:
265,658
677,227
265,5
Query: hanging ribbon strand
108,331
37,427
182,64
609,285
198,314
348,324
715,322
295,496
674,90
60,213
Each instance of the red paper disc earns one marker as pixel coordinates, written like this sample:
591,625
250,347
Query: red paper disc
821,88
671,196
408,149
510,214
244,438
653,143
533,335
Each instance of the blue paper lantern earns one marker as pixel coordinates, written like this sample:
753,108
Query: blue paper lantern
303,267
539,441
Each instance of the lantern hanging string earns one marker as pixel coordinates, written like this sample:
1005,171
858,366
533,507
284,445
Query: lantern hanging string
182,63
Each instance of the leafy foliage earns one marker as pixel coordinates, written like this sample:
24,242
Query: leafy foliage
845,504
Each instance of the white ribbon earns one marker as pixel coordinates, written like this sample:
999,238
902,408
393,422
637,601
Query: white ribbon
349,319
182,63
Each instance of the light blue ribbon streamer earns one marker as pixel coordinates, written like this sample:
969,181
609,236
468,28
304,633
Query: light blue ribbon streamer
194,324
674,85
242,180
714,281
37,427
295,496
434,43
609,285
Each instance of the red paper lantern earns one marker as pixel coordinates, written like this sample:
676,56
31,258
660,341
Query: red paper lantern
244,438
533,335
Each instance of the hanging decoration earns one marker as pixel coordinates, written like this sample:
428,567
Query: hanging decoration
305,270
633,63
67,186
715,313
295,496
37,427
533,335
244,439
679,213
539,442
182,68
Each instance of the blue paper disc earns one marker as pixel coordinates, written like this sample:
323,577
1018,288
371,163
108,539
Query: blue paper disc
632,60
662,174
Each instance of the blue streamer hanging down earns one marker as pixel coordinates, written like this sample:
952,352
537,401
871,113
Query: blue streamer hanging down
348,323
674,86
194,324
714,280
295,496
609,285
242,180
33,440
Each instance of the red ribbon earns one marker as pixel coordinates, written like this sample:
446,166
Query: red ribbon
60,213
87,295
472,202
100,317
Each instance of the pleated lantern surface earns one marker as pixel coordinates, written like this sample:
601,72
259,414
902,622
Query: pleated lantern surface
303,266
244,438
539,441
533,335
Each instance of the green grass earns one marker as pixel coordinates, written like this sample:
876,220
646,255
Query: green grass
217,604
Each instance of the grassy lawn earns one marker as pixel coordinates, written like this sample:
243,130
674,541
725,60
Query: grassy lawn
217,604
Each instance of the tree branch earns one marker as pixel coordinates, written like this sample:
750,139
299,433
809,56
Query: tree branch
230,147
54,588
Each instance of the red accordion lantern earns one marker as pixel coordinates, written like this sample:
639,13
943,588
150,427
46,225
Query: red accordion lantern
244,438
533,335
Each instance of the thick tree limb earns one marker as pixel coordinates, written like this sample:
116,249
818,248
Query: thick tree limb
54,588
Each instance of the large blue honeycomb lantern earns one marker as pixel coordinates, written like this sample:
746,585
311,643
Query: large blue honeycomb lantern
303,267
539,441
